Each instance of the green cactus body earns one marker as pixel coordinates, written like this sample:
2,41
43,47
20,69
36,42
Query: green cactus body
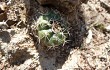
57,39
47,32
43,24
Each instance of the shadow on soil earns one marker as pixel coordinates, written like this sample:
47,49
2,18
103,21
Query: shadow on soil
5,36
54,59
19,57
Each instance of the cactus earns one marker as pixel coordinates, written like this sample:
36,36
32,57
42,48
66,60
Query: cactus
42,24
46,33
57,39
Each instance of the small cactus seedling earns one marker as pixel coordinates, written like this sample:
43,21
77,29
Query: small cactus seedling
51,34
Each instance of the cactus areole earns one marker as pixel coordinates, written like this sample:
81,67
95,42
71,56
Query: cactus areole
51,34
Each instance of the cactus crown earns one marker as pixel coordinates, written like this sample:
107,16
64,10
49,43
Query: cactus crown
49,31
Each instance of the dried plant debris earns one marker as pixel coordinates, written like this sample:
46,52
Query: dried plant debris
100,27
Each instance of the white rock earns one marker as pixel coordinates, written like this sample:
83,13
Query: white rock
107,28
28,62
3,6
89,37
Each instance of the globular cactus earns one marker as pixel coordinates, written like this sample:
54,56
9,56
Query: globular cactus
43,24
57,39
47,35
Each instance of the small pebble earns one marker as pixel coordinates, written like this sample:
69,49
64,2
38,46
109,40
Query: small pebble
3,25
107,28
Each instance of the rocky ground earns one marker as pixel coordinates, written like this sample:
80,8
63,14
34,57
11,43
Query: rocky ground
88,48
